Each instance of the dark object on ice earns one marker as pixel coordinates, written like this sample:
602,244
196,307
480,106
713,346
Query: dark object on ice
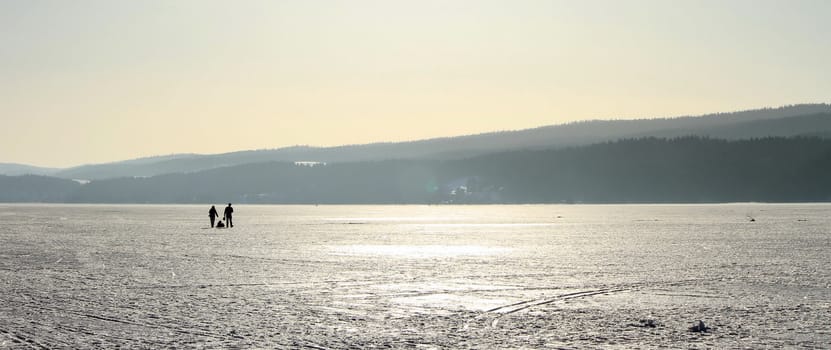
220,224
650,323
212,214
645,323
700,327
229,213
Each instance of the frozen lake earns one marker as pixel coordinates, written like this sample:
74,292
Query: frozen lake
335,277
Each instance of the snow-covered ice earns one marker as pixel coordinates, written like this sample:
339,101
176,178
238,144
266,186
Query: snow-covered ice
336,277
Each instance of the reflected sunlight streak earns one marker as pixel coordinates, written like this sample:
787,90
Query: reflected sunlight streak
419,251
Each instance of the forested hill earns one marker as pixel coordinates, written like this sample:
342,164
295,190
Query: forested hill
35,188
785,121
687,169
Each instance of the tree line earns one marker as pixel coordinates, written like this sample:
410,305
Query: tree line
657,170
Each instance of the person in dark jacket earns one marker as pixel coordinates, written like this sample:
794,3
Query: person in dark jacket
212,214
229,212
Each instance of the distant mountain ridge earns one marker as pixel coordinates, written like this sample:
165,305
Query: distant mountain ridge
807,119
13,169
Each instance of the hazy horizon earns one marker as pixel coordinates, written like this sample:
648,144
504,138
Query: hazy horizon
174,154
100,81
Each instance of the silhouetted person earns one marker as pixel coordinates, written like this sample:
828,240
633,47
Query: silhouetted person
229,213
212,214
220,224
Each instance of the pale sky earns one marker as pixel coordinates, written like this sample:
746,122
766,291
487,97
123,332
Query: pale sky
98,81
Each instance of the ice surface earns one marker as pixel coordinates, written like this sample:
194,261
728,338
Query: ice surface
556,276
